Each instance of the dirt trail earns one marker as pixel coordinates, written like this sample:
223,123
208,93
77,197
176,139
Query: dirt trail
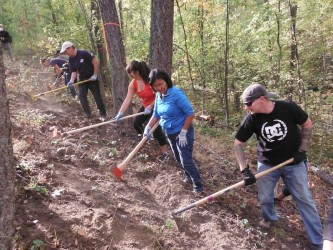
67,198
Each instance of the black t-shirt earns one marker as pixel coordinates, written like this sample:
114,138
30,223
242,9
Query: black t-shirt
277,133
58,61
82,63
5,37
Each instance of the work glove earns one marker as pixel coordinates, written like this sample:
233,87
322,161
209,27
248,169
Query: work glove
182,140
248,176
118,116
299,156
70,83
146,132
147,110
93,78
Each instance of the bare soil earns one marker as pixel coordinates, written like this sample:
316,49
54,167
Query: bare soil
67,197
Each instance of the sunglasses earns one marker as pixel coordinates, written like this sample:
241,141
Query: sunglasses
249,104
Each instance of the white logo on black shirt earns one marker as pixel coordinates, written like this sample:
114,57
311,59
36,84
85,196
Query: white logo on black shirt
274,131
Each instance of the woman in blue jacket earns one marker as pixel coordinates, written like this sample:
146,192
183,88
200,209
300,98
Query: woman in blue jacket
174,112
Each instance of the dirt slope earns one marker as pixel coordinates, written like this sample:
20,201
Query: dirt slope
68,199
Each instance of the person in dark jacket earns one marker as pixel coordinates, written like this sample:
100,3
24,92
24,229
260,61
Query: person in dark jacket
84,65
6,41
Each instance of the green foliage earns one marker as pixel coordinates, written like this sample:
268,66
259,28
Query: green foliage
37,245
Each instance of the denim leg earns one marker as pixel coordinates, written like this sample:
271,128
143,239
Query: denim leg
94,89
186,159
295,178
83,88
173,145
266,185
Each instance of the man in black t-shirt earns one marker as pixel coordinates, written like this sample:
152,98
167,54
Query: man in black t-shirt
85,65
276,127
6,41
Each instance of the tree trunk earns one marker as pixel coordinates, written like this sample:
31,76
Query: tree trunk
101,50
161,34
7,169
116,51
294,57
226,69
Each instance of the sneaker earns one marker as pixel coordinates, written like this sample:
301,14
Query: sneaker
163,157
198,191
103,118
187,180
265,224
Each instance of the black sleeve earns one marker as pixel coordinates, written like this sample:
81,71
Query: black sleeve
246,130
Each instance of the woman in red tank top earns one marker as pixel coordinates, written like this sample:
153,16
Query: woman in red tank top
139,71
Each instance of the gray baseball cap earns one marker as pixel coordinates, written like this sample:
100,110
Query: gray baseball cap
254,91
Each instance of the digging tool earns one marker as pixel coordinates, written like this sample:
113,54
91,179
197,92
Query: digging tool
118,170
34,97
237,185
99,124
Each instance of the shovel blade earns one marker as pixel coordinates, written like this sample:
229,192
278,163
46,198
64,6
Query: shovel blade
117,172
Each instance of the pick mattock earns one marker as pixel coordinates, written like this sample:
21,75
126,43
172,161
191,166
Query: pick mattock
118,170
34,97
95,125
237,185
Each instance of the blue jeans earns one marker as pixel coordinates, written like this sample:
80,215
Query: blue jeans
295,178
184,155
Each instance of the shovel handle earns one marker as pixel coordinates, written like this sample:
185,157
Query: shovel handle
122,166
237,185
61,88
100,124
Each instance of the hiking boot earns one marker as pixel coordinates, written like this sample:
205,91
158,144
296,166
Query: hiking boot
198,191
265,224
316,247
103,118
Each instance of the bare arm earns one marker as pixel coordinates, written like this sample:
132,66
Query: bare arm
153,120
58,71
240,154
306,133
188,122
128,99
95,63
73,76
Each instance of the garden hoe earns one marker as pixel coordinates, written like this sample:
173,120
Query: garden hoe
55,131
237,185
118,170
34,97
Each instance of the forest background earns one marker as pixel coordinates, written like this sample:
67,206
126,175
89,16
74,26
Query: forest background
219,47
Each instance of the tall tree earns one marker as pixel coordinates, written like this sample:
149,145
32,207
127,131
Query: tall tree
7,170
161,34
116,51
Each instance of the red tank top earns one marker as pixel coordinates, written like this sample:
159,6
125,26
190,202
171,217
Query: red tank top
147,95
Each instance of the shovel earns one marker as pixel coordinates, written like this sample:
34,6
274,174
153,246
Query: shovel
237,185
95,125
118,170
34,97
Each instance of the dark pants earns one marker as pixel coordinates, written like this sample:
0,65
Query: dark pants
138,125
184,155
93,86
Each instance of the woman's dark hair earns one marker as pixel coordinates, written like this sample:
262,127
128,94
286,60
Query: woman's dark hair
141,67
159,74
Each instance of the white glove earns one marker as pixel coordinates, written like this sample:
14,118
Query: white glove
147,110
182,140
93,78
147,132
